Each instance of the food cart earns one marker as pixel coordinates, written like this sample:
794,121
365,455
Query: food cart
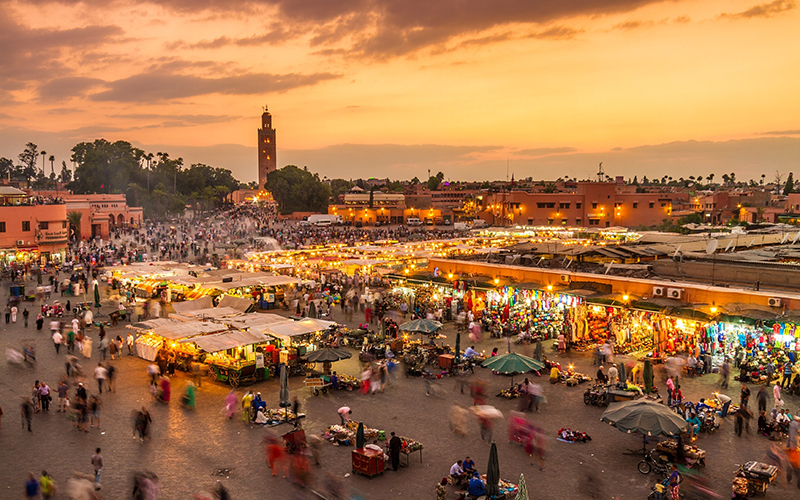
235,356
297,338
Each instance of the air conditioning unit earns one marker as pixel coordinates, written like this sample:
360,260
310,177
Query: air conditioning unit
774,302
675,293
659,291
20,242
564,278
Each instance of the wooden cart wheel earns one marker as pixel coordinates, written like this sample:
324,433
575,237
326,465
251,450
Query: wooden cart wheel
233,379
316,392
324,390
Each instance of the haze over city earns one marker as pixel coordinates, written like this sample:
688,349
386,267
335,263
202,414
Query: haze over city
370,88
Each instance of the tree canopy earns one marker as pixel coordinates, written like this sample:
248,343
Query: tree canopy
298,190
158,183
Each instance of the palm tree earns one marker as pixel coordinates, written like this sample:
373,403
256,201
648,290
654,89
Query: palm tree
43,153
762,178
149,158
52,160
74,219
710,178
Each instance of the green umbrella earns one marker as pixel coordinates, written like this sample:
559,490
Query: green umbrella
458,346
522,494
512,363
96,295
645,417
360,440
493,474
329,354
648,376
427,326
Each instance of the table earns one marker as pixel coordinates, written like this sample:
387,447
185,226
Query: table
368,462
408,456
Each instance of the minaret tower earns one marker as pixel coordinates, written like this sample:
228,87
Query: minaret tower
267,161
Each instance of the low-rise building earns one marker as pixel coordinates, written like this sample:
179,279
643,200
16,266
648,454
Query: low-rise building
32,228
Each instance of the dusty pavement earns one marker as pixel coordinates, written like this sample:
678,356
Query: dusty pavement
189,448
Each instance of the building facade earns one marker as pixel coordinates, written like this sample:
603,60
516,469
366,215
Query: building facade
267,159
584,204
32,228
100,213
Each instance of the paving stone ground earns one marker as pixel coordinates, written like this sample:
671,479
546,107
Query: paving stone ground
187,448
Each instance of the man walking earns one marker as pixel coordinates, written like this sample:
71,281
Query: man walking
394,451
26,410
761,399
97,464
101,374
58,339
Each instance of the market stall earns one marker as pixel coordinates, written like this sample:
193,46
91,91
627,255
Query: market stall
234,356
164,336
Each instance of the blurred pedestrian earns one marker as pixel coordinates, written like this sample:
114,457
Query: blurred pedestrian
97,465
47,486
32,487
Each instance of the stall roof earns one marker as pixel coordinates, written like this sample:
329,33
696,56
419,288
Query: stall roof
155,323
363,262
262,280
256,321
237,303
290,329
177,331
228,340
192,305
214,312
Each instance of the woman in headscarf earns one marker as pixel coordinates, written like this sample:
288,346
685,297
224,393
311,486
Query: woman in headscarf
230,404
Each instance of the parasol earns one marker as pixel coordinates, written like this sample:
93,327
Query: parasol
645,417
329,354
284,391
312,310
539,355
512,363
96,295
493,474
458,346
648,376
360,440
522,494
426,326
621,370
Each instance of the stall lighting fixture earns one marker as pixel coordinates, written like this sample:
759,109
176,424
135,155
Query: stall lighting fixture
625,298
713,307
450,276
496,281
549,288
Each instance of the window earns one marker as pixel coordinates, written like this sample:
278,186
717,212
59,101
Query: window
44,225
578,222
2,227
617,204
541,205
549,222
563,205
63,224
663,204
563,222
635,205
26,225
551,205
652,204
594,206
594,222
578,205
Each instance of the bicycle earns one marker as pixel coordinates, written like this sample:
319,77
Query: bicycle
654,462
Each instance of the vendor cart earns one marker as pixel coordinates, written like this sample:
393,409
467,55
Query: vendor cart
694,455
295,439
368,462
318,384
758,476
237,373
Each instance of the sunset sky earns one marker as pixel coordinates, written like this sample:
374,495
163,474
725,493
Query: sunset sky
367,88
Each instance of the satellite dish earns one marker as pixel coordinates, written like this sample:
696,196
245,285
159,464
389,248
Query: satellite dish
727,247
796,236
712,246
